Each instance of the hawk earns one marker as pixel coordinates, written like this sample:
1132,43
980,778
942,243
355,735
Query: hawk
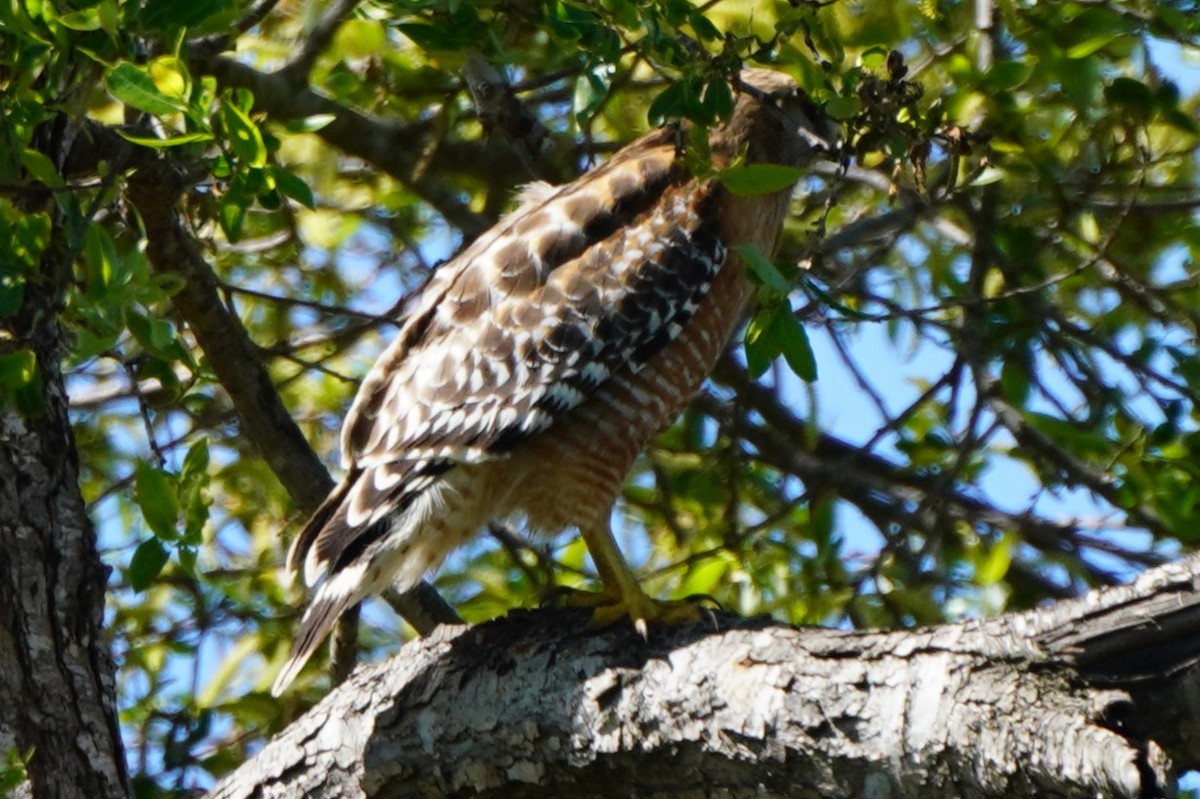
537,364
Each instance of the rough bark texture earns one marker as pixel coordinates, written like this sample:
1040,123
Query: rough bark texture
1088,698
56,676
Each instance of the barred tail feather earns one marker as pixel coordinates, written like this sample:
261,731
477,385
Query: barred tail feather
361,535
303,542
338,592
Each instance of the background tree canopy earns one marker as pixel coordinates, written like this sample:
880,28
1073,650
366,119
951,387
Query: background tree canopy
971,385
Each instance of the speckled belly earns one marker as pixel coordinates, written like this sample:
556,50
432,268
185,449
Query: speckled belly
569,476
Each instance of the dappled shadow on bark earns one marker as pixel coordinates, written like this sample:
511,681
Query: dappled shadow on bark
538,704
552,645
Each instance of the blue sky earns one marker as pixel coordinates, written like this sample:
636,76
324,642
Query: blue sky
842,408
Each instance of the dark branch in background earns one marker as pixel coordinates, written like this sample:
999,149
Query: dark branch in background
503,115
882,490
154,190
392,147
301,64
409,152
1101,483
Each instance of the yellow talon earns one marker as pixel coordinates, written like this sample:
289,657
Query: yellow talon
608,608
645,612
623,598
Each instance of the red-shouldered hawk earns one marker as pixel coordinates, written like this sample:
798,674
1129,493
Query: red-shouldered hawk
538,363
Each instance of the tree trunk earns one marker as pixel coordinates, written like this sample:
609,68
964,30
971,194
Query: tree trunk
1094,697
56,675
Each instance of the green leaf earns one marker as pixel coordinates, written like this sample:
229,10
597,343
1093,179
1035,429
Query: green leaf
244,135
292,186
22,242
440,39
874,58
759,353
21,382
668,105
718,99
775,331
231,214
704,578
1088,46
842,107
703,27
41,168
17,368
762,268
134,87
187,559
86,19
1132,94
793,342
100,257
155,493
195,463
754,179
157,336
193,482
12,294
174,14
993,566
174,141
360,38
1009,74
147,563
310,124
1014,381
14,771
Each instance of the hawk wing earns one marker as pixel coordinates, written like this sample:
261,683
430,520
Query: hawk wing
521,327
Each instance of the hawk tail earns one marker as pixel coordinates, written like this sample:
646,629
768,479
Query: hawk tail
373,513
302,543
339,591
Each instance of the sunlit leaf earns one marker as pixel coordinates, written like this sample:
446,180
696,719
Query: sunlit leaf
244,135
41,167
135,87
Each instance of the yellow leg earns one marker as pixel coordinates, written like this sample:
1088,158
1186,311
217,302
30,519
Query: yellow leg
621,596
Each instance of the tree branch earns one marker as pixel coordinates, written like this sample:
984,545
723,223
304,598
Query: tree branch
154,190
1030,704
392,147
57,684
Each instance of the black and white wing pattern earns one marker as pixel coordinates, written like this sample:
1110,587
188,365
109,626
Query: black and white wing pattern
521,327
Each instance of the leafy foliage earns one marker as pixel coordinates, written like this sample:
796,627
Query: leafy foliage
994,291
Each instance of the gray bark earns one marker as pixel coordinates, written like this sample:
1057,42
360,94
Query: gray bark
56,675
1093,697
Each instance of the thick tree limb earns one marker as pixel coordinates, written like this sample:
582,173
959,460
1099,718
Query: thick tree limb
57,696
1087,698
394,148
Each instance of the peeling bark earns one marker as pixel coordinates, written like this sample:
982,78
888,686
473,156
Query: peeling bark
1032,704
